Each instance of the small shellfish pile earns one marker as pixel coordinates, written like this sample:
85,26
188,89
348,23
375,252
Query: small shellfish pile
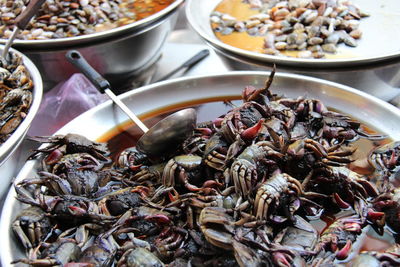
68,18
313,27
246,188
15,94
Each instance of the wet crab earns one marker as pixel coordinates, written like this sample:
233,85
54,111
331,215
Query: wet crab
75,174
186,169
169,240
343,185
73,143
56,253
390,257
215,152
386,161
137,257
340,236
279,188
302,238
389,204
252,165
120,201
219,229
69,209
132,159
31,226
241,118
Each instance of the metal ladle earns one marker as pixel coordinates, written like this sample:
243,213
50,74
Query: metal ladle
21,21
162,137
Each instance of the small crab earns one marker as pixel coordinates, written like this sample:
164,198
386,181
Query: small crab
186,169
74,143
31,226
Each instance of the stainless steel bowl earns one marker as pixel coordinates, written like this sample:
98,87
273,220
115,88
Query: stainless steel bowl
381,34
119,54
375,67
8,150
184,91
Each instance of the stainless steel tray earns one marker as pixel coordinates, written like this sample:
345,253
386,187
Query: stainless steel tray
99,120
380,40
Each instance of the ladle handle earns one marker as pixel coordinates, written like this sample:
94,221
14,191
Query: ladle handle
23,19
80,62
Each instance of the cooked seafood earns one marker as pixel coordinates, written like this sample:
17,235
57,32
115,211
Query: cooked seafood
60,19
248,188
312,28
15,94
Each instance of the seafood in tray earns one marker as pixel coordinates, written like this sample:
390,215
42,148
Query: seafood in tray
251,188
61,19
297,28
16,87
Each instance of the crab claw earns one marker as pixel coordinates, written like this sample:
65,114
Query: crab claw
205,131
135,167
344,252
352,227
143,191
212,183
375,215
341,203
251,132
158,218
218,121
173,196
280,259
54,157
77,211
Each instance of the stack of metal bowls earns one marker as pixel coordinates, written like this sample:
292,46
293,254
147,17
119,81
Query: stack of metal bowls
119,54
374,65
10,150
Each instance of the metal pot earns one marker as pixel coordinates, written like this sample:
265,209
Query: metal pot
119,54
184,92
374,66
10,149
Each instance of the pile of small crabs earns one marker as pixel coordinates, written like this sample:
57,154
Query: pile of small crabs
243,189
15,94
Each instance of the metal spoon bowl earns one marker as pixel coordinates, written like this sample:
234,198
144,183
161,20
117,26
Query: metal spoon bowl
168,133
162,137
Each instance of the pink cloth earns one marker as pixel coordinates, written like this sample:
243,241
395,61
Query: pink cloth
63,103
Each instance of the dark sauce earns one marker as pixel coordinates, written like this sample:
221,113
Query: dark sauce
126,135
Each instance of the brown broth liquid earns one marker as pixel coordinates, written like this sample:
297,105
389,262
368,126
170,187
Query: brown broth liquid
242,40
141,8
126,135
145,8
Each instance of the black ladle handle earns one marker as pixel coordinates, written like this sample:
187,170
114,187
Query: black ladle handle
23,19
80,62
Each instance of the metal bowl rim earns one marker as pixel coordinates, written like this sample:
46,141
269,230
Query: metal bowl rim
81,39
7,148
289,61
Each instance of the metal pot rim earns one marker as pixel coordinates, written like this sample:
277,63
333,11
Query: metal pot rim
8,147
83,39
